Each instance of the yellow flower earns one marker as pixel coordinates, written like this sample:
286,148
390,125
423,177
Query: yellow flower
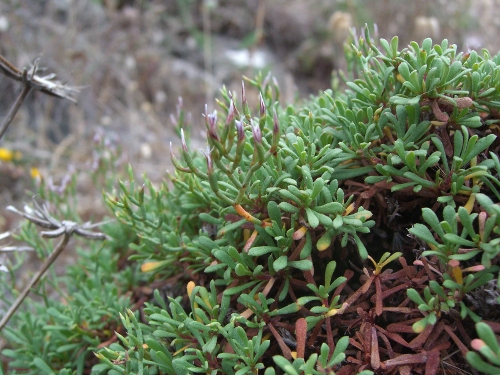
6,155
35,174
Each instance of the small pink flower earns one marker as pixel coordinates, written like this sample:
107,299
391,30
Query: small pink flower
257,134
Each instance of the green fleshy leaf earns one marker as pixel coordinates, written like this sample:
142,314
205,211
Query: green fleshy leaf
280,263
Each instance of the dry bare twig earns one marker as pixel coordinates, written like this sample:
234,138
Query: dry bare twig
31,81
41,217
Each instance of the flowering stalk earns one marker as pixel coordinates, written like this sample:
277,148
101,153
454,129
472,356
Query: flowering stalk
244,103
212,136
246,181
263,116
229,127
189,161
240,145
276,133
276,89
259,151
260,156
176,162
228,173
213,178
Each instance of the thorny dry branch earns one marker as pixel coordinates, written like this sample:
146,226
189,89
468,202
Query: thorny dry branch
41,217
31,81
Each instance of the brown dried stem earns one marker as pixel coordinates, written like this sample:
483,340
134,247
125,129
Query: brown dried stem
13,110
30,81
35,279
41,217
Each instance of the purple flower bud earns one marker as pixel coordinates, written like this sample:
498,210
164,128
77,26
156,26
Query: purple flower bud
239,129
265,82
236,112
212,126
257,134
205,115
95,165
355,36
243,96
275,82
230,113
212,119
98,137
64,183
276,132
276,126
179,106
183,141
171,151
262,106
173,120
207,154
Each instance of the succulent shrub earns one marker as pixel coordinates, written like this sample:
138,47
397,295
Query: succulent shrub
268,225
351,234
